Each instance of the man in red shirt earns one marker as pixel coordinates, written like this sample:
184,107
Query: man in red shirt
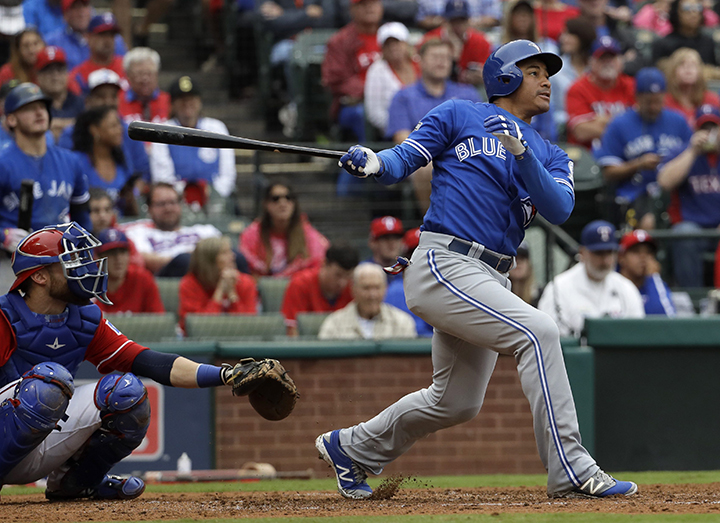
470,47
101,42
324,289
143,100
349,53
599,95
131,287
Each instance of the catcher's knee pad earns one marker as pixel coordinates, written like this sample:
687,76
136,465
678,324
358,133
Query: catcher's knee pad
124,407
39,402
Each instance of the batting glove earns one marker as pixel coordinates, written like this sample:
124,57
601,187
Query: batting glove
12,238
508,132
361,162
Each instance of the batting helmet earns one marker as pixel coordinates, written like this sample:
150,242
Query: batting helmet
71,246
25,93
501,74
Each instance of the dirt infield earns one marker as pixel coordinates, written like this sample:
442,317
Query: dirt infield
703,498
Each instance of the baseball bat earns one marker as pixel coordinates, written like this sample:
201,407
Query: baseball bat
176,135
26,205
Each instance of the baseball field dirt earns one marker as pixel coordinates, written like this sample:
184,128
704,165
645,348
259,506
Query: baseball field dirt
662,499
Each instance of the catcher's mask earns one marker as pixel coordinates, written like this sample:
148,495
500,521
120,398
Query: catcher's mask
70,245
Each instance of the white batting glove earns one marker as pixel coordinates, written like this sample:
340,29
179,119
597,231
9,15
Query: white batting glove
361,162
508,132
13,236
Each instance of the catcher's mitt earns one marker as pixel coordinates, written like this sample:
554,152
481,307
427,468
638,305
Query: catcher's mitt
271,392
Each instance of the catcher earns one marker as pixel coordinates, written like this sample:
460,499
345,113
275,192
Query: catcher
74,435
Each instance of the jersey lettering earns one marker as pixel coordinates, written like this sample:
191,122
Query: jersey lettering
487,147
113,327
705,184
62,189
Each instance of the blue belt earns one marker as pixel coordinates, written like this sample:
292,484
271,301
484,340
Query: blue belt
499,262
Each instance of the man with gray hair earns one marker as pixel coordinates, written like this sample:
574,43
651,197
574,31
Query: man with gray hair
367,317
143,100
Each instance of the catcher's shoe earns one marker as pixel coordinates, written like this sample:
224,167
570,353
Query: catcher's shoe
601,485
112,487
350,477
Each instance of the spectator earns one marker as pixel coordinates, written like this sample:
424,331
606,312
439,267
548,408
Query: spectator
366,316
687,87
592,288
686,19
5,135
281,241
322,289
131,288
105,86
213,285
193,169
386,240
690,174
104,216
72,38
469,46
45,15
350,52
610,20
654,16
522,277
98,137
484,14
599,95
575,47
165,244
634,144
52,78
386,76
551,17
637,262
410,104
143,100
101,33
23,55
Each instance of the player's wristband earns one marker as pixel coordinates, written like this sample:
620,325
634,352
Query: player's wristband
209,376
523,154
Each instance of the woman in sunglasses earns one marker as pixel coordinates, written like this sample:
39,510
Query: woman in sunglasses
281,241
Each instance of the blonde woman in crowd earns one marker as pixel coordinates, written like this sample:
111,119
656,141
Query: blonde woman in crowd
686,85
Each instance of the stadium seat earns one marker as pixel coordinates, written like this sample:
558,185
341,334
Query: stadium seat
225,327
146,328
589,191
272,291
309,323
169,293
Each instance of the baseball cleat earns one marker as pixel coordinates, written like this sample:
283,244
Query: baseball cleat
112,487
350,477
601,485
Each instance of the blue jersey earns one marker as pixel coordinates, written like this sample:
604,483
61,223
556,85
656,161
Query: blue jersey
480,192
76,47
656,296
95,180
628,137
395,296
59,182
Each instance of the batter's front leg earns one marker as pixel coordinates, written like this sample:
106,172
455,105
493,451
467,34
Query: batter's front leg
461,372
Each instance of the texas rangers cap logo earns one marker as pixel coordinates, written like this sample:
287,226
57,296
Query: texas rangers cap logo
605,233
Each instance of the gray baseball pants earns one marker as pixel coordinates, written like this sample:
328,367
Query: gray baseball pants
476,317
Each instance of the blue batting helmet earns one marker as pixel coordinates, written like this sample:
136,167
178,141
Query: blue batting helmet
70,245
501,74
23,94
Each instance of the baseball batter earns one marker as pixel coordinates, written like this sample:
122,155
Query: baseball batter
48,326
492,172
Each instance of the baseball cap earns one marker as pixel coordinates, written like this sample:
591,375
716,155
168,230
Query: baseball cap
523,251
50,55
604,45
411,239
111,239
67,4
183,86
103,23
650,80
599,235
392,30
456,9
386,226
637,237
103,77
707,113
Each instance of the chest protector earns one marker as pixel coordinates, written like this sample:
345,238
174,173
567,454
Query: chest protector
37,342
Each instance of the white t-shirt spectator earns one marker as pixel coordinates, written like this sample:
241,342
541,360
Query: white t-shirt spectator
381,84
148,239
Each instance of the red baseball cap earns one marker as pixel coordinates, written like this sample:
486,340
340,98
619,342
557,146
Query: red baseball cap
412,239
385,226
67,4
636,237
50,55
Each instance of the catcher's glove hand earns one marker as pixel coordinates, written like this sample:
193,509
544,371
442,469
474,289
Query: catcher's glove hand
271,392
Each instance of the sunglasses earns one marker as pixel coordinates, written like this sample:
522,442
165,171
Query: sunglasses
692,8
277,197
